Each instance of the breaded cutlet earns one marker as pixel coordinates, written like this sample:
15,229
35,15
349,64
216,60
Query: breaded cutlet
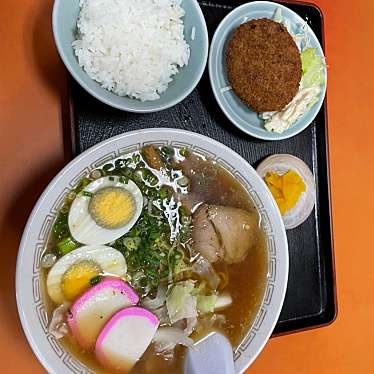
264,65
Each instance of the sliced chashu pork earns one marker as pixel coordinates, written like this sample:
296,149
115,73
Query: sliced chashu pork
224,233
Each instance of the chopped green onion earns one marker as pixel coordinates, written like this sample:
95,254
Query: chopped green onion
184,152
150,177
146,249
60,228
131,244
71,195
67,245
95,280
83,183
111,179
136,158
186,220
138,175
154,235
164,193
64,209
123,179
167,152
108,167
87,193
126,172
119,163
183,211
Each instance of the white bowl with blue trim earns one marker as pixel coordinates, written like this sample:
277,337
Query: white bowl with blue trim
235,110
32,308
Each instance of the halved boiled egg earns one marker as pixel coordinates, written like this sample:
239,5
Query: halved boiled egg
71,275
106,210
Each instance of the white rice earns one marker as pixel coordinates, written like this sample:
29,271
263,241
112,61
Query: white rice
131,47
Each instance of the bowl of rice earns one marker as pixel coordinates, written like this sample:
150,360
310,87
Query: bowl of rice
134,55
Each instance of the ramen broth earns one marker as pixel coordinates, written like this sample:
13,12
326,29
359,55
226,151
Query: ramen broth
209,183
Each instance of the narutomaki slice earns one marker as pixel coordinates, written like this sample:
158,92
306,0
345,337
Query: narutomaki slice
125,338
96,306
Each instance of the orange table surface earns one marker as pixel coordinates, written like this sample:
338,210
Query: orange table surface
31,152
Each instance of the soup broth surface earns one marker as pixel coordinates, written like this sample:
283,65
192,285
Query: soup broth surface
209,183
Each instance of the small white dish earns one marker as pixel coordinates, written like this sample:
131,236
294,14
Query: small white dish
280,164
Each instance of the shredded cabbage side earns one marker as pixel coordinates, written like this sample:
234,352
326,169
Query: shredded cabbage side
310,86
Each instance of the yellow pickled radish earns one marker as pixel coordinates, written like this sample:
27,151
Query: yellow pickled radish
285,188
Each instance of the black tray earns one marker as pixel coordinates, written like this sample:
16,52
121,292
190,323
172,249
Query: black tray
310,299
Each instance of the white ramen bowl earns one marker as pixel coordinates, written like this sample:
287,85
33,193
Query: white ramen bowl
30,303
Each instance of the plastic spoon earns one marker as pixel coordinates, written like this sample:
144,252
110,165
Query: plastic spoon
211,355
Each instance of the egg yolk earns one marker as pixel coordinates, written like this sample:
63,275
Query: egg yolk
112,207
77,278
286,189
